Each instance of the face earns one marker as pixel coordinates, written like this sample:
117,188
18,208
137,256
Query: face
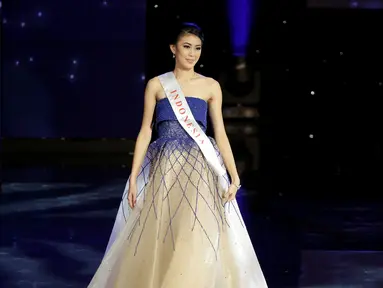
187,51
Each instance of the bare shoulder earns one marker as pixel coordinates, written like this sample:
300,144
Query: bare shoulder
213,87
153,87
210,83
154,83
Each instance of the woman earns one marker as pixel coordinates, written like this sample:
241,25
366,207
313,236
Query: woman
179,225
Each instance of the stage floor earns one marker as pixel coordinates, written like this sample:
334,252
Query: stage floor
56,223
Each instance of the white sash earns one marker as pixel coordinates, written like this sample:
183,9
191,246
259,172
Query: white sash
185,117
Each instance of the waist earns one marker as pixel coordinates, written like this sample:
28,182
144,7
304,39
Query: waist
173,129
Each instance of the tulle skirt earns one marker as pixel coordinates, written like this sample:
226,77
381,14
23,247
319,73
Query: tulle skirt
181,234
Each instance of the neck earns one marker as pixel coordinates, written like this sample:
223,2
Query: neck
183,74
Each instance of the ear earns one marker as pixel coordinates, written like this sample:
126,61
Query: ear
173,48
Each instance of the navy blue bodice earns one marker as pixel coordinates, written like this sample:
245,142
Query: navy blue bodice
167,123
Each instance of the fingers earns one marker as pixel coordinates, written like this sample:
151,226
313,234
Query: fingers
228,197
130,200
231,197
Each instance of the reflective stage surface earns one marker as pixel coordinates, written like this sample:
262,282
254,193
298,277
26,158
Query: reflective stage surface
56,222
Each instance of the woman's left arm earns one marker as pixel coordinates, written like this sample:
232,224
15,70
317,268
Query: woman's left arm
215,111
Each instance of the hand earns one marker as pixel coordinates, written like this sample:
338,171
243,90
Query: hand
231,192
132,194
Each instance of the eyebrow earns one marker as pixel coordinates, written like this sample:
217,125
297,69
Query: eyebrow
192,44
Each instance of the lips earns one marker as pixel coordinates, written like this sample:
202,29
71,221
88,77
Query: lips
190,61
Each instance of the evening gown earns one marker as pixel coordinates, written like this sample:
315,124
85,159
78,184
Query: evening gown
181,234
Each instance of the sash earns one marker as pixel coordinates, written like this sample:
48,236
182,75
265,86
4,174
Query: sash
185,117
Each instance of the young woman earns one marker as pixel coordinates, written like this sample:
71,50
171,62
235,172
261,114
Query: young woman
179,225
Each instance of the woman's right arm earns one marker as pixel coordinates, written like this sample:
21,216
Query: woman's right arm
145,133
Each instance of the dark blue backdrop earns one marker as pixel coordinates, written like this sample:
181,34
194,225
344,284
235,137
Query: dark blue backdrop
73,68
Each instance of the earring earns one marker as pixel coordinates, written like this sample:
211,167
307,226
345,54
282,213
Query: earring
174,56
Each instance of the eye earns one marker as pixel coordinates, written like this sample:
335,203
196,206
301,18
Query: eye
198,48
186,46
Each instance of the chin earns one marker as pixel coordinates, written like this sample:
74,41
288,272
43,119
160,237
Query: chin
187,65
